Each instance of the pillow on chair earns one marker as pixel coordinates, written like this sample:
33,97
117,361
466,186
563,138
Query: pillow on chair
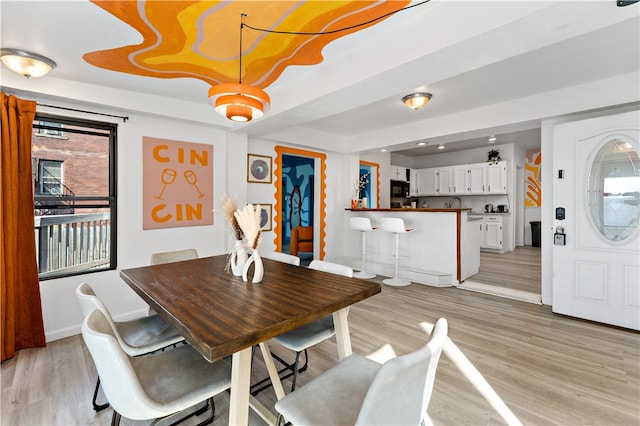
301,239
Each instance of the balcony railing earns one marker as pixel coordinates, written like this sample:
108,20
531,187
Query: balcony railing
72,243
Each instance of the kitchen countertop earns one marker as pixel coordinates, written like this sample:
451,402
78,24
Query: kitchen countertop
491,214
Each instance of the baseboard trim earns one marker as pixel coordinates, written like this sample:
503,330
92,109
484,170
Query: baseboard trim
523,296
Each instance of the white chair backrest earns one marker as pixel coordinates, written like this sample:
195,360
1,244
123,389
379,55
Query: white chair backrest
117,376
282,257
393,224
90,302
173,256
361,224
334,268
401,390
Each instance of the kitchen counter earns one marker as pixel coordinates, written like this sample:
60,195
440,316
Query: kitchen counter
442,249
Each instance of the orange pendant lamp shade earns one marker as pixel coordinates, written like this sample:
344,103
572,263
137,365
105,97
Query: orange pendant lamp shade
239,102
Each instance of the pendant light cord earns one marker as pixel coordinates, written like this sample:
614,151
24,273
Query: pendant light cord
324,32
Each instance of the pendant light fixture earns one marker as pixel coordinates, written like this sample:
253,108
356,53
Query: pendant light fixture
417,100
237,101
26,64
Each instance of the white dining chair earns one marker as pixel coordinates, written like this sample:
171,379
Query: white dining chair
136,337
170,257
302,338
173,256
360,391
282,257
154,386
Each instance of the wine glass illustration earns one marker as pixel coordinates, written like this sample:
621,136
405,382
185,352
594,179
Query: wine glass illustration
192,179
168,176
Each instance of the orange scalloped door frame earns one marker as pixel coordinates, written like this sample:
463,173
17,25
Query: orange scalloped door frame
277,228
377,166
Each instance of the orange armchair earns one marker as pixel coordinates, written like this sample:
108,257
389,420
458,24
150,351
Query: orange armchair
301,239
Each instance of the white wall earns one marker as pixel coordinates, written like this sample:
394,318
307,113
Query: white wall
61,313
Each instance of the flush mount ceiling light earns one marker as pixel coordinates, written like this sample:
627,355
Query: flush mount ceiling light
237,101
492,139
421,143
416,100
25,63
440,146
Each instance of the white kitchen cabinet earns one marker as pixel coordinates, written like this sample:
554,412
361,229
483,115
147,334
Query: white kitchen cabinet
444,180
413,184
460,179
497,178
478,178
398,173
426,182
491,233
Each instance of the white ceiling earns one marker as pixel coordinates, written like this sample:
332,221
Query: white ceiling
470,55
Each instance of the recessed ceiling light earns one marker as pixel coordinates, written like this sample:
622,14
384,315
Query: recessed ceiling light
383,150
421,143
440,146
492,139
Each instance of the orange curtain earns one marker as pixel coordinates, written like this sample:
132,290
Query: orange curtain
21,323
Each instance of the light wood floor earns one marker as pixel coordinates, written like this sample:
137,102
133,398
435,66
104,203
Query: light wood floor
549,369
516,270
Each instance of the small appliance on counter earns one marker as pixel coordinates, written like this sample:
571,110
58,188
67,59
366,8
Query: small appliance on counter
502,208
488,208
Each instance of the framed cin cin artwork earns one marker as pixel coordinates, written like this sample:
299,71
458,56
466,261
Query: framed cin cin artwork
258,168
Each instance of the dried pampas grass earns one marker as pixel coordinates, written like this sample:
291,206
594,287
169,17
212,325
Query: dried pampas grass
249,221
230,207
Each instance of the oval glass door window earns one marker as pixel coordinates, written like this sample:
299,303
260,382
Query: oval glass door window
614,190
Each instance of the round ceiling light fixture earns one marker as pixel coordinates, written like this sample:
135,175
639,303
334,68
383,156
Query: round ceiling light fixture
441,146
26,64
417,100
239,102
492,139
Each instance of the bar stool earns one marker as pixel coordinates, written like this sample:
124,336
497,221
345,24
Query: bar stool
363,224
396,226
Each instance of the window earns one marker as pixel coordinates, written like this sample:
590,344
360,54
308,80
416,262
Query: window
74,195
49,177
44,128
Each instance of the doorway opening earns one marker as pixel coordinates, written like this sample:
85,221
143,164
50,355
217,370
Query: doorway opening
300,201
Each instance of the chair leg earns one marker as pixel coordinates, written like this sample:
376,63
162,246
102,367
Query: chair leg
290,367
115,419
98,407
295,371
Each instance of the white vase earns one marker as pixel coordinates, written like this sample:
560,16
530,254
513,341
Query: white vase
238,258
258,271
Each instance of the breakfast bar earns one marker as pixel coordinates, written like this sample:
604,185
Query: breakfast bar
442,249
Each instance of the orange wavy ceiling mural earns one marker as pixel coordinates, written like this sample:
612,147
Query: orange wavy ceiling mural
201,39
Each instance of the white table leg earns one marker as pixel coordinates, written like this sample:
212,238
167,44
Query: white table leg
342,333
240,380
273,371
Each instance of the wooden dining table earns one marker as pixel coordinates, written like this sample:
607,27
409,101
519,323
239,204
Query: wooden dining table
220,315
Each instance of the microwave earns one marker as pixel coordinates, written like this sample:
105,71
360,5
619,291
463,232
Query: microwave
399,188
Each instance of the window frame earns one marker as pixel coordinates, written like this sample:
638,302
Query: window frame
109,201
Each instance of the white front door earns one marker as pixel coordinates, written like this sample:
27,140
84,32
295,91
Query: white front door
597,182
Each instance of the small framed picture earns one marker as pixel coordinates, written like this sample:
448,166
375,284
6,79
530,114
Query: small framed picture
258,168
265,217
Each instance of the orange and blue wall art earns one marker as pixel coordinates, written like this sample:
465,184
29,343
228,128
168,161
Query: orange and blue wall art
533,186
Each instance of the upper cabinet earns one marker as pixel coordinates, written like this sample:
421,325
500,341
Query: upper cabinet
465,179
426,182
497,178
400,173
444,180
460,179
478,178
